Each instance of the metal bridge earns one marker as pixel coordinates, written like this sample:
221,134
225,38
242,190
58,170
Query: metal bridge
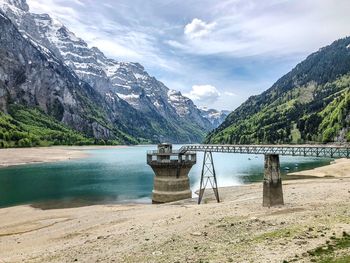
293,150
272,183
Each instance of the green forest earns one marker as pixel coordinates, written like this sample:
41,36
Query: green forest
27,127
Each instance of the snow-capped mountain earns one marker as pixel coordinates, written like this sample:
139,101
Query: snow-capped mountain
31,76
214,116
118,82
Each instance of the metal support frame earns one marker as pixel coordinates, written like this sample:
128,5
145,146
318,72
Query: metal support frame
208,175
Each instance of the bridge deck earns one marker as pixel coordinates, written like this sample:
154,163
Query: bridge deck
293,150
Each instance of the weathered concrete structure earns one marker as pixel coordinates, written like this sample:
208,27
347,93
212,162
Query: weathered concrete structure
171,168
272,189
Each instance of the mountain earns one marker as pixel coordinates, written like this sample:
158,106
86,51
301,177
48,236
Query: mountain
309,104
132,103
215,117
31,77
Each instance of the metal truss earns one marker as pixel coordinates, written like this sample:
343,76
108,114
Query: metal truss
293,150
208,176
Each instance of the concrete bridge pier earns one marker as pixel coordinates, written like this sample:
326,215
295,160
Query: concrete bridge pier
272,188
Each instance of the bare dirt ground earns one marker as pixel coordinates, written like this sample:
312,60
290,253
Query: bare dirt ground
239,229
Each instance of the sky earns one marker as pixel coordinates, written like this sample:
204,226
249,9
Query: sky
218,53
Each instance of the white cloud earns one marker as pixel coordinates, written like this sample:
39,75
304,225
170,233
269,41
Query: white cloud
228,93
114,49
271,28
66,14
203,94
198,28
175,44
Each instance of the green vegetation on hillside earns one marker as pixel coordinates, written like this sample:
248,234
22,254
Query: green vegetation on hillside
26,127
309,104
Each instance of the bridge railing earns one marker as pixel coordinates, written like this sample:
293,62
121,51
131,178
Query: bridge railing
174,156
155,152
292,150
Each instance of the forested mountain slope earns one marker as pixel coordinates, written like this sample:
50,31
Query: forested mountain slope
309,104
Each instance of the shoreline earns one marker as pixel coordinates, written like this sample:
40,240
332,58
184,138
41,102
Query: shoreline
339,168
23,156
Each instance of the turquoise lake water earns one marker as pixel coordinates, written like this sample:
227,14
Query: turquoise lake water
120,175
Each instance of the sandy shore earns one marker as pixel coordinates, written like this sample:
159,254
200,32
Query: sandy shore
238,229
19,156
338,168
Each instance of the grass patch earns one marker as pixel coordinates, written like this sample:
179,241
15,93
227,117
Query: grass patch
326,253
286,233
342,259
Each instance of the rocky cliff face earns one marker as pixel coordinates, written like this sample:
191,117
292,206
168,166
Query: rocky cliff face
214,116
134,102
33,76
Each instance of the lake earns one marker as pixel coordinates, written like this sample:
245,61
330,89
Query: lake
120,175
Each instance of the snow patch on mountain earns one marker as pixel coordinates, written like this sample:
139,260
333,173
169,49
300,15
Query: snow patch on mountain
113,79
179,102
214,116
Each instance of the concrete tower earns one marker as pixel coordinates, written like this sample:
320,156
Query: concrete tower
171,168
